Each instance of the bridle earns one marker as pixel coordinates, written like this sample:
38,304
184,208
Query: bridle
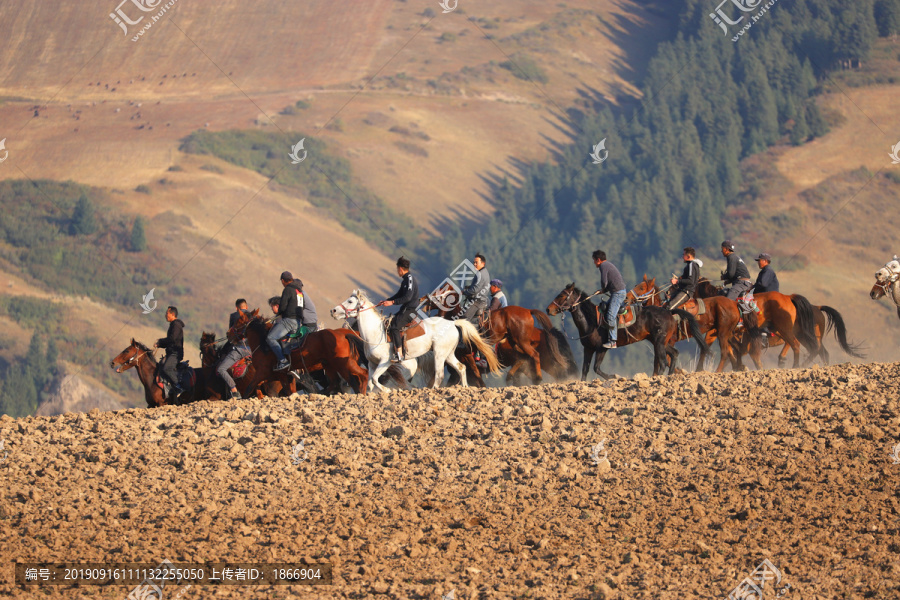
131,362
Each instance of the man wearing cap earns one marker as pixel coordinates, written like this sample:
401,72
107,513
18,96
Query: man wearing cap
498,298
767,280
735,273
290,308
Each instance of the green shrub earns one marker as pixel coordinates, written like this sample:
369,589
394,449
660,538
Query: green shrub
525,68
143,189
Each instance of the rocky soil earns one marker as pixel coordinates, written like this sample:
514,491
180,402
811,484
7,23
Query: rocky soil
501,493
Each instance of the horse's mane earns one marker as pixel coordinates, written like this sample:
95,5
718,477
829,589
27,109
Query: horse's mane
142,347
258,325
588,309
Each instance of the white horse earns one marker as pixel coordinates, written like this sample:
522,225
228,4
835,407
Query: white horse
441,337
887,281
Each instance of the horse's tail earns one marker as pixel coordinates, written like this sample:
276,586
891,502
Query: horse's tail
751,326
552,341
358,347
394,373
806,323
425,366
693,328
470,335
566,350
840,332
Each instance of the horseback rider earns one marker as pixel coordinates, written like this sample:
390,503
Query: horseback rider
408,298
174,345
767,280
290,309
611,282
476,293
685,287
735,273
498,298
235,352
240,306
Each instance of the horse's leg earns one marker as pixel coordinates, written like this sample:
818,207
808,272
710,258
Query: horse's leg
659,354
588,355
375,372
672,355
601,354
460,368
711,336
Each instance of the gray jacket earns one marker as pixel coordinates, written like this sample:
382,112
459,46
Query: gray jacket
479,292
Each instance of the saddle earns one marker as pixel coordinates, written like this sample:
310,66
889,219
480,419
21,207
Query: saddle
186,378
239,369
289,343
626,317
694,306
415,328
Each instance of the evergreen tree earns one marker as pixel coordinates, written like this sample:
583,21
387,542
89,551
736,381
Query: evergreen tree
887,16
84,221
138,237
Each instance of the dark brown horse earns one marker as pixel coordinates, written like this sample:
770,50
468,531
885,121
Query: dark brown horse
791,317
335,351
141,357
523,338
210,354
719,320
654,324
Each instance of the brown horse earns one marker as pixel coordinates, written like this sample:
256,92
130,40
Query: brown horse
791,317
719,320
141,357
651,323
519,335
336,351
210,354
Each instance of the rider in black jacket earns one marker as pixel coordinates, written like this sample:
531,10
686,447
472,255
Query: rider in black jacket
684,287
736,273
408,299
174,345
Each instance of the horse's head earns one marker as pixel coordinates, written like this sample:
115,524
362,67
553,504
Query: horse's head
644,288
129,357
884,277
238,331
350,308
564,301
208,351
